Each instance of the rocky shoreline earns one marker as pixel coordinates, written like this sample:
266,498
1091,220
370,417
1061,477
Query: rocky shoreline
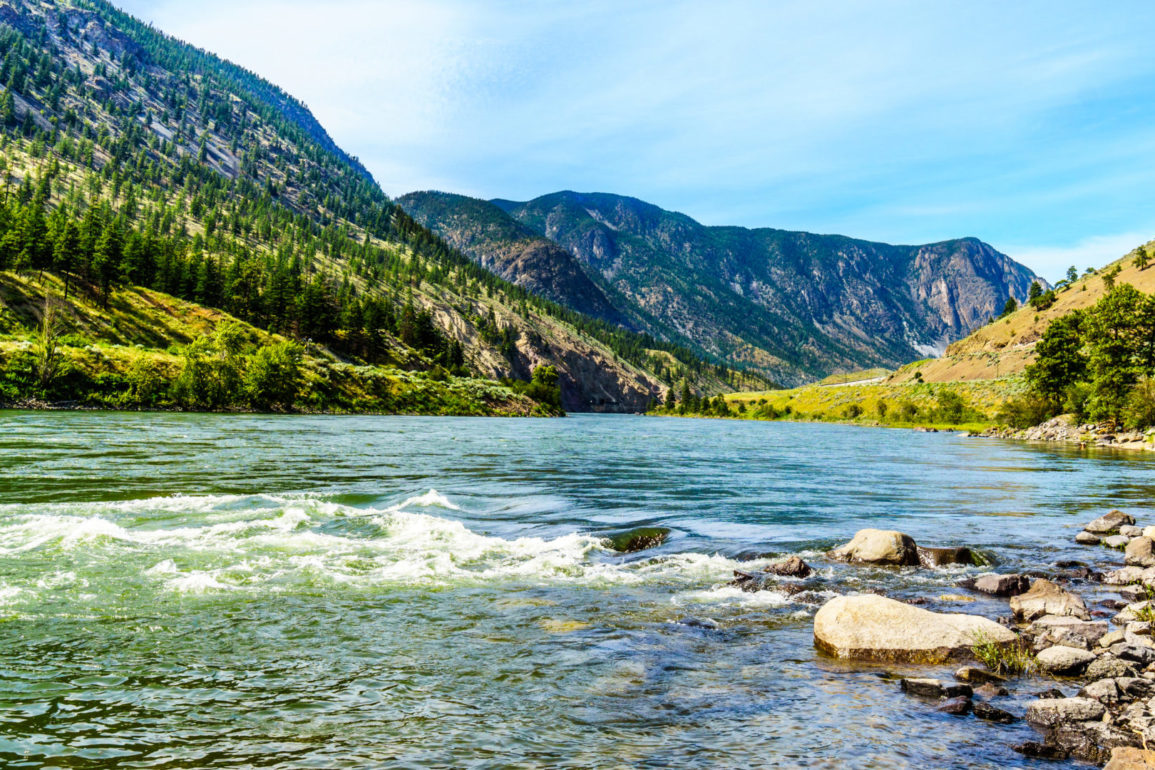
1098,703
1065,428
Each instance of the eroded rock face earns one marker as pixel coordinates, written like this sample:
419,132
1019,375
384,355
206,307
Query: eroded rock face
1046,598
1131,758
1108,524
878,546
870,627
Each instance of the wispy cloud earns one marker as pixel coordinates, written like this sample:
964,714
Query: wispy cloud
896,119
1051,262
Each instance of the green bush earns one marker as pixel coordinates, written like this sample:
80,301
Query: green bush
272,376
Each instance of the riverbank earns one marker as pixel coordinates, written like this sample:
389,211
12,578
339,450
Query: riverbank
1079,671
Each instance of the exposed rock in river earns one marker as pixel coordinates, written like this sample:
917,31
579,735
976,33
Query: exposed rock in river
878,546
998,585
870,627
1108,524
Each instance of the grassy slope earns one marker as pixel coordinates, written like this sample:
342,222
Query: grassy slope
143,327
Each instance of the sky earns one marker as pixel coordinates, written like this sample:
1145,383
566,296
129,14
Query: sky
1030,125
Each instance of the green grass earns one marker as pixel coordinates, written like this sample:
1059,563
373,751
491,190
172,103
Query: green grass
1004,658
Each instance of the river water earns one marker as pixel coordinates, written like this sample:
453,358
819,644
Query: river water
261,591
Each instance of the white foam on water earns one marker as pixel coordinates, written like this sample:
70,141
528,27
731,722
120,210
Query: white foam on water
731,595
266,542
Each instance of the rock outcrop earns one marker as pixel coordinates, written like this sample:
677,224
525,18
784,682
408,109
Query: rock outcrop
1046,598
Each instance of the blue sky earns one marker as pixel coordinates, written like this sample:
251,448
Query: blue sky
1029,125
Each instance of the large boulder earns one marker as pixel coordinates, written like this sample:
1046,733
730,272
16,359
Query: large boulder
1140,552
870,627
878,546
1046,598
1109,523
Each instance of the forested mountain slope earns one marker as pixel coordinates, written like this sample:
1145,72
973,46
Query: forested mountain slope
792,305
128,158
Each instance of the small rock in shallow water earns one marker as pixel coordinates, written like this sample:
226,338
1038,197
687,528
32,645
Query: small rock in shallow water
941,557
993,713
878,546
926,688
974,675
792,567
706,623
640,539
1086,538
958,706
1037,750
1118,542
999,585
1054,692
1064,661
1130,530
1109,523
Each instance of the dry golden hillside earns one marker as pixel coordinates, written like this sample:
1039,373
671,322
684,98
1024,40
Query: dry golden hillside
1006,346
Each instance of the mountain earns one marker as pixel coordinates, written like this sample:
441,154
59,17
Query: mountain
131,159
1006,345
794,306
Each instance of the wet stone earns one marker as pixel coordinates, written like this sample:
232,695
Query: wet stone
958,706
991,713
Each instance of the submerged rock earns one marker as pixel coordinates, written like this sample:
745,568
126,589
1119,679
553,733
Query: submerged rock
639,539
878,546
958,706
1046,598
870,627
1109,523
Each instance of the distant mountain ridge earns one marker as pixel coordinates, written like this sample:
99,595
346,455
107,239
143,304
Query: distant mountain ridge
794,306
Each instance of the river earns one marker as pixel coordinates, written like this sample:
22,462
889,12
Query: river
182,590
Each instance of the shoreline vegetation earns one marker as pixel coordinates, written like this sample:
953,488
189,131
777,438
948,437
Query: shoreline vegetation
148,351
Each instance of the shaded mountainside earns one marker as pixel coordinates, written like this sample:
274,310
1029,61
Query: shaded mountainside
794,306
131,159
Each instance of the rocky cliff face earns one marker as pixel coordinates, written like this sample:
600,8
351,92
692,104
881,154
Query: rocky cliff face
795,306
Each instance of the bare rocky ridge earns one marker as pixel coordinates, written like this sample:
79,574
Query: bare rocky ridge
795,306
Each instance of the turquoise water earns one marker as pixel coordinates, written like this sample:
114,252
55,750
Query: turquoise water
250,591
